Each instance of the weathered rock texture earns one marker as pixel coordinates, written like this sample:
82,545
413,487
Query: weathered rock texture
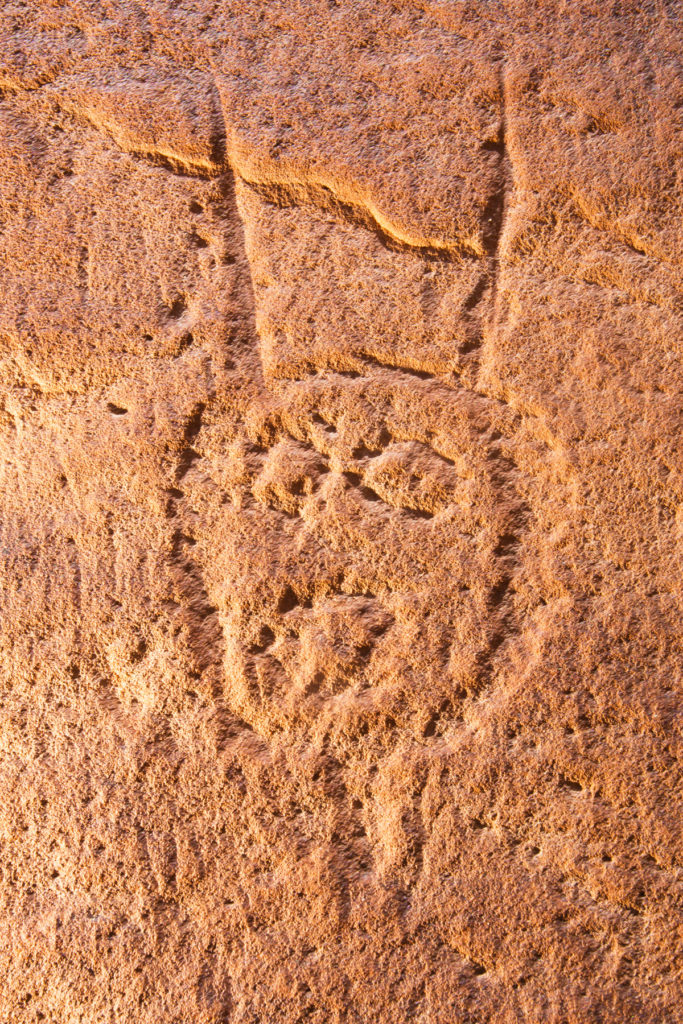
342,512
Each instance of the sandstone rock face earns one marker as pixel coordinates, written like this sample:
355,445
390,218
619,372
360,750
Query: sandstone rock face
341,520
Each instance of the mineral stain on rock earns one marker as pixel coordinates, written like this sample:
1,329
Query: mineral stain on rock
340,540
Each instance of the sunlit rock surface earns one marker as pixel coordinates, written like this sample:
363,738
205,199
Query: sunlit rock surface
341,512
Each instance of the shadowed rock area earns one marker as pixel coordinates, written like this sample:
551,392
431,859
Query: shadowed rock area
341,517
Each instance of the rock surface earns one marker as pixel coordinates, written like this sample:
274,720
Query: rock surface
341,521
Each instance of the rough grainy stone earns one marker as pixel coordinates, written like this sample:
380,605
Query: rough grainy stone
341,519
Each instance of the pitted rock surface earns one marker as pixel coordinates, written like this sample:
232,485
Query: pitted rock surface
341,519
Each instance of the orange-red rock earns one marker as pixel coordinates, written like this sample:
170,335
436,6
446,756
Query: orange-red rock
341,514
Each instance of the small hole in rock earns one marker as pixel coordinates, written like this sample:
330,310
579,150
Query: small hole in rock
287,601
324,424
430,728
266,637
315,684
139,652
178,307
369,494
418,513
363,452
